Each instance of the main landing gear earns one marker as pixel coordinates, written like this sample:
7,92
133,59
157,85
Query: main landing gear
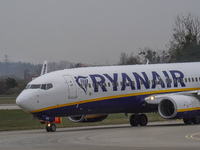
51,127
137,119
195,120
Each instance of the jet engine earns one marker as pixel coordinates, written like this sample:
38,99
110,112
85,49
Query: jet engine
88,118
179,106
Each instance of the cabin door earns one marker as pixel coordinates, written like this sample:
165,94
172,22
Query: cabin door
72,91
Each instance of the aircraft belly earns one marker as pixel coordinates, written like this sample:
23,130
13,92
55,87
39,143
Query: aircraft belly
117,105
189,114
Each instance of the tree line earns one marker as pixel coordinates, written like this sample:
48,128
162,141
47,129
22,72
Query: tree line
15,75
184,45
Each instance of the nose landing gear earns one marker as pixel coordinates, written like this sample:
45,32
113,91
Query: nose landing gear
51,127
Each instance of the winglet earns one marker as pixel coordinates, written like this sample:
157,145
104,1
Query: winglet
44,68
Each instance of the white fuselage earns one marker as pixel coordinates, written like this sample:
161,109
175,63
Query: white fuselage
111,89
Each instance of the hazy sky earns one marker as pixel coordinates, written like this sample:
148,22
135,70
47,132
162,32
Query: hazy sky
87,31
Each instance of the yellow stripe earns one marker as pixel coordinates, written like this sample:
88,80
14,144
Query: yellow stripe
114,97
188,109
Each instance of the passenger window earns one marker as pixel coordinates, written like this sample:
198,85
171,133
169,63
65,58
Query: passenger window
189,79
159,82
192,79
185,79
117,83
182,80
113,84
89,85
104,84
101,84
196,79
153,82
97,85
156,82
175,81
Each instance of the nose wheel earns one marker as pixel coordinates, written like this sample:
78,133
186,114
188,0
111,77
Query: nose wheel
51,127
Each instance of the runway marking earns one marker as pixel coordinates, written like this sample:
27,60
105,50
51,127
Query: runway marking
195,136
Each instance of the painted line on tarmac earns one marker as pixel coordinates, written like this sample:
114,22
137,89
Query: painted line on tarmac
195,136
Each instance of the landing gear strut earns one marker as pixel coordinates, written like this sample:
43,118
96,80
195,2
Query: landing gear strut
51,127
137,119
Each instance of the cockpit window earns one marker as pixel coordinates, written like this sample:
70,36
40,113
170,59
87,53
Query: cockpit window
35,86
43,86
39,86
28,86
46,86
49,86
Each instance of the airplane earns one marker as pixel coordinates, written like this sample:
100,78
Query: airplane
90,94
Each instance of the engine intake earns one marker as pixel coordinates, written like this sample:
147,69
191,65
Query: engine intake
167,109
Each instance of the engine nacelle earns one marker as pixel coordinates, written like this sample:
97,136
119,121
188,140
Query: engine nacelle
88,118
178,106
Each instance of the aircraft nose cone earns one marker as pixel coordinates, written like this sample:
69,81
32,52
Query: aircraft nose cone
23,100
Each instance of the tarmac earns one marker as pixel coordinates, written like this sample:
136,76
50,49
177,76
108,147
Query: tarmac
170,135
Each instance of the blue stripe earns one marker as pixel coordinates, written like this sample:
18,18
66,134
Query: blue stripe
131,104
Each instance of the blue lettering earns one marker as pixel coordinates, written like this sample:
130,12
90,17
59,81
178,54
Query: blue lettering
138,78
157,80
113,80
125,78
141,79
167,79
177,77
100,82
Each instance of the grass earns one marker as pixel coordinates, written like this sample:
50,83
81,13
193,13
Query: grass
20,120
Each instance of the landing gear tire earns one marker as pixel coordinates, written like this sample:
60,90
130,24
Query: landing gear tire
143,120
50,127
187,121
136,120
196,120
